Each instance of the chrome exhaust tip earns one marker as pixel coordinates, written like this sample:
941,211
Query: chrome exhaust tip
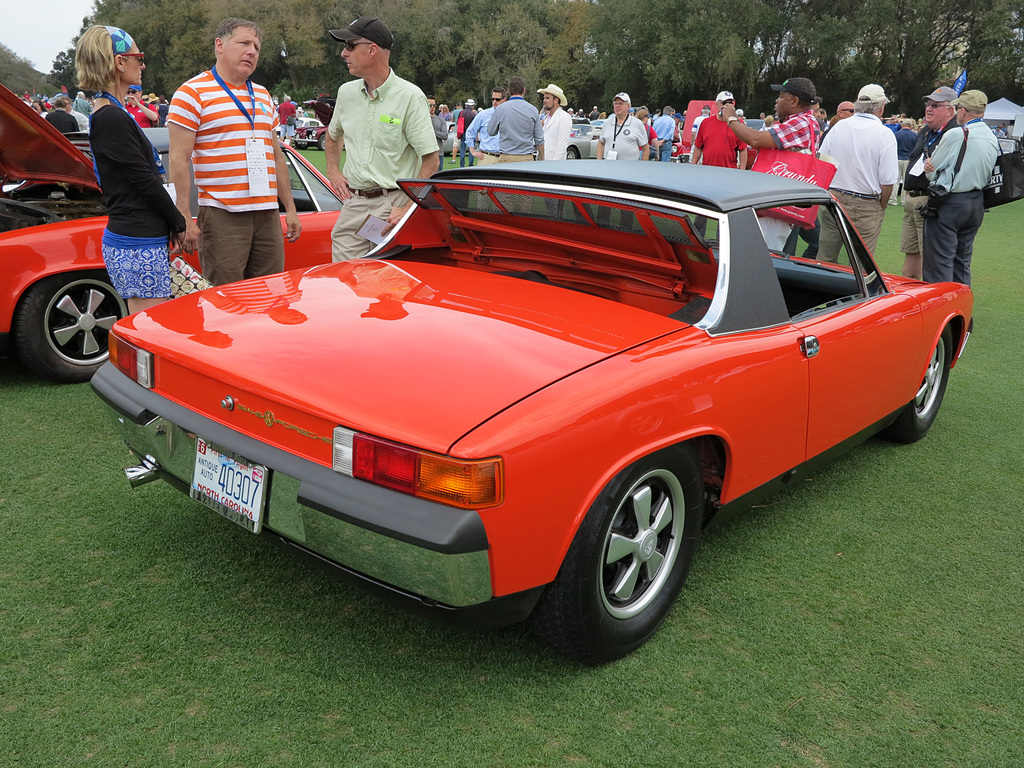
146,472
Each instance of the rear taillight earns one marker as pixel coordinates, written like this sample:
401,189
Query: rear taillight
465,483
134,362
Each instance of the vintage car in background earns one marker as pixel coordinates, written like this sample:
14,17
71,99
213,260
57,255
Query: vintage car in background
535,394
583,141
57,304
309,133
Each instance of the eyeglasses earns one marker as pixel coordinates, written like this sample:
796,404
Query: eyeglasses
497,98
846,110
140,56
431,104
350,45
934,105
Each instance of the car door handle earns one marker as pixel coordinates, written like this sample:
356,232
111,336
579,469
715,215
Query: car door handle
809,346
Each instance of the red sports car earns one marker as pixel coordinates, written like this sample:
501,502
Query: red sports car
533,397
58,305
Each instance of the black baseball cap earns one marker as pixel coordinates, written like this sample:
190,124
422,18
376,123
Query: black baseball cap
369,27
800,87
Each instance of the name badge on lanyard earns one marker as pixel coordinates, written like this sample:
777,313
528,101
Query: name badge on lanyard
256,164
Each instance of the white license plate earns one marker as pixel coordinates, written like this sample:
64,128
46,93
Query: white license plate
229,485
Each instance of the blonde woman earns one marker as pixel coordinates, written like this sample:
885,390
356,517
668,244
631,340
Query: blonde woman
143,219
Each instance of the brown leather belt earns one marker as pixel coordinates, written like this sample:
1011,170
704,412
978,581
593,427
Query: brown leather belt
369,194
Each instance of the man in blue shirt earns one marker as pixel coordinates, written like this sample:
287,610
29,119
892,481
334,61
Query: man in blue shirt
665,129
906,138
517,125
949,234
484,146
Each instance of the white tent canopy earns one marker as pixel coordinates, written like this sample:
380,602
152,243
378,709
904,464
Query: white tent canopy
1002,111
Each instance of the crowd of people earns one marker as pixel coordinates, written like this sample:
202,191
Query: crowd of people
223,130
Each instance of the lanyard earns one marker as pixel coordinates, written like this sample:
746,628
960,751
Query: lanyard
252,96
617,128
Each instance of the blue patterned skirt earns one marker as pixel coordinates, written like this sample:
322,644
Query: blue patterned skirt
138,266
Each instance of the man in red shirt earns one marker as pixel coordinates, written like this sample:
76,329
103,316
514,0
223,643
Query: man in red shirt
143,115
286,112
715,143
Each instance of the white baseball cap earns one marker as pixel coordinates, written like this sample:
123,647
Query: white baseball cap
724,96
624,97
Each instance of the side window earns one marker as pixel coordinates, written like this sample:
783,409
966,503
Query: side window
816,269
309,192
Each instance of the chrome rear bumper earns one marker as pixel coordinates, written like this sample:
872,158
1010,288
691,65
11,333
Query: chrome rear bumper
434,552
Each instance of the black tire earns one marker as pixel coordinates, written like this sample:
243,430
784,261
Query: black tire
322,142
627,562
919,414
62,323
572,153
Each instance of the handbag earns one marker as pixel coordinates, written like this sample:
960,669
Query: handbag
185,279
794,165
1007,182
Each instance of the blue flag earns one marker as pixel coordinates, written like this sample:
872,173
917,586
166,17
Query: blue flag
961,82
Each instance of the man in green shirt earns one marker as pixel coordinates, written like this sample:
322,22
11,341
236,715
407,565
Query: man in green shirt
384,124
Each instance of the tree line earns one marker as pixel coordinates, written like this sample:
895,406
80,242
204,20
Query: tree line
661,51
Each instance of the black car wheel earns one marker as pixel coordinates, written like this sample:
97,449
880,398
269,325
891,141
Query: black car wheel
627,562
919,414
572,153
322,142
62,323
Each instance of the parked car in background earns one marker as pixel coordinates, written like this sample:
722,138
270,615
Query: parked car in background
58,305
583,141
310,136
537,392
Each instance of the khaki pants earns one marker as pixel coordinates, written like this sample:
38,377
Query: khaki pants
238,245
514,158
346,244
866,216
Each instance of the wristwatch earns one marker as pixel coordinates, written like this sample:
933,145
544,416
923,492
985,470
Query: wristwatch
731,118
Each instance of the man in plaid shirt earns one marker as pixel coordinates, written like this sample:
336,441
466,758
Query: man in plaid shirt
796,131
797,127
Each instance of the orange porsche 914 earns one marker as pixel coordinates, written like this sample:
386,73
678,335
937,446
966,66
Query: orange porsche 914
538,391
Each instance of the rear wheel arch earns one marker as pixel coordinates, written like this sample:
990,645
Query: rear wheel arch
628,559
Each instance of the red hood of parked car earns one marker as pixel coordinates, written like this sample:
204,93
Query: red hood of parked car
33,150
420,353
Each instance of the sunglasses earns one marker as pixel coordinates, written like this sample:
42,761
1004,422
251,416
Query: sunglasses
350,45
140,56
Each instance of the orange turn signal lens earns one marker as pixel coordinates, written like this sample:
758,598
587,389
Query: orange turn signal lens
464,483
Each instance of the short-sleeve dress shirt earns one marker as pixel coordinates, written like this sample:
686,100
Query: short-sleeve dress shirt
387,133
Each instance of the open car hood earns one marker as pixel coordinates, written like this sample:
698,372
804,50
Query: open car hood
33,150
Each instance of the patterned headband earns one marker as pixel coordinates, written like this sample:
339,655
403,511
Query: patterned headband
120,40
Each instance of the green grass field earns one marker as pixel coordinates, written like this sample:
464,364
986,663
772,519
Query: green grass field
871,617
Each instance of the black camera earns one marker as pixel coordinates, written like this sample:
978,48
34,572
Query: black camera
937,195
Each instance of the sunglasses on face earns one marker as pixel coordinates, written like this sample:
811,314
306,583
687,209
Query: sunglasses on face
350,45
140,56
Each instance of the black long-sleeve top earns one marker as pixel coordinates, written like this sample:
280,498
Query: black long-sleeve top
133,192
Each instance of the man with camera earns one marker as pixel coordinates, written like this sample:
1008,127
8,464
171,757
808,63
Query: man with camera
939,116
956,204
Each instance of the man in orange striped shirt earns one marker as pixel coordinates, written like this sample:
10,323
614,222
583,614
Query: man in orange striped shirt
224,126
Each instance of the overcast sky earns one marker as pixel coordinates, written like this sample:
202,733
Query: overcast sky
38,30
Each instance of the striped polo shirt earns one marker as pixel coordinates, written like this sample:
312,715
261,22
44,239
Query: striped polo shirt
218,160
